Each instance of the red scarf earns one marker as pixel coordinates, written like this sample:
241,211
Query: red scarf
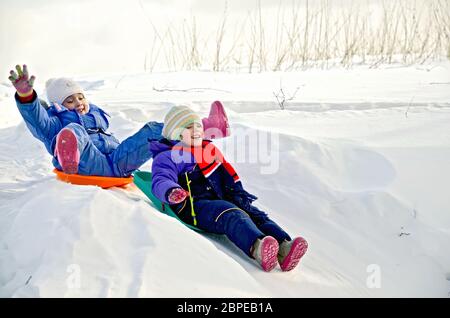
209,158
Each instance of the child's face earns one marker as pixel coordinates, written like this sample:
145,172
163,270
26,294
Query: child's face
193,135
78,103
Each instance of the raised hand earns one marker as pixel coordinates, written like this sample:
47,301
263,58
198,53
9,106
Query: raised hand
21,81
177,195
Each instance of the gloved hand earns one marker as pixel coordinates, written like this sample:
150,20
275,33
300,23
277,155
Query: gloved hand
177,195
21,81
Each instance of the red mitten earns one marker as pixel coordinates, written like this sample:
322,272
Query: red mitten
177,195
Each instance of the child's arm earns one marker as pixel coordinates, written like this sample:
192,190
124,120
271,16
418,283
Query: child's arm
41,125
165,176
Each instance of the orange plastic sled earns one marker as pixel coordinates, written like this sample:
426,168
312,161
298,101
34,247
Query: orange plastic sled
104,182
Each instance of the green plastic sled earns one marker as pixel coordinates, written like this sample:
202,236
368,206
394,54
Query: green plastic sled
143,180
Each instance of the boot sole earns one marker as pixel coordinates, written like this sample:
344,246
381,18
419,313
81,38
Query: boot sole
269,252
217,109
298,249
67,151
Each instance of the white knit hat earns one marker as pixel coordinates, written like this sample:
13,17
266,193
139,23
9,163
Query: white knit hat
58,89
177,119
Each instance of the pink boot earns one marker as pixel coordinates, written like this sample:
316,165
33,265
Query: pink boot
216,125
265,252
291,252
66,151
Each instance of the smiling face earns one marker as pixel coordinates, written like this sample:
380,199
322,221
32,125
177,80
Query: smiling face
78,103
193,135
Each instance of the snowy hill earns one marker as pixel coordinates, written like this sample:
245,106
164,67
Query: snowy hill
358,164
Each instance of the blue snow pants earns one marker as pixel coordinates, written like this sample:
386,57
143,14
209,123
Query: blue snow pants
241,227
121,162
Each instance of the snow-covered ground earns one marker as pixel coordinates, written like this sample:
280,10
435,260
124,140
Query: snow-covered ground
358,163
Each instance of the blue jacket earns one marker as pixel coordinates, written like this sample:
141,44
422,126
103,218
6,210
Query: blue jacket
46,124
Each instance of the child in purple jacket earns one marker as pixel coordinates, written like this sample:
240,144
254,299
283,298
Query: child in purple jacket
192,176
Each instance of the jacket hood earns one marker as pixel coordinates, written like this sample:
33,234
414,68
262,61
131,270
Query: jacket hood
160,145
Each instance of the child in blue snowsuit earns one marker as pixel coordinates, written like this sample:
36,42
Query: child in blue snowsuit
75,132
192,176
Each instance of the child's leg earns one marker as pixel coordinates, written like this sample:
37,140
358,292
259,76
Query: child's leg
134,151
266,225
223,217
90,160
291,251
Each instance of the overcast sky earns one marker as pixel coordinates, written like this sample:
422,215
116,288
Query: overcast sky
56,37
72,37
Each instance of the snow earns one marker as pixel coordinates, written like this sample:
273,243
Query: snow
358,164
